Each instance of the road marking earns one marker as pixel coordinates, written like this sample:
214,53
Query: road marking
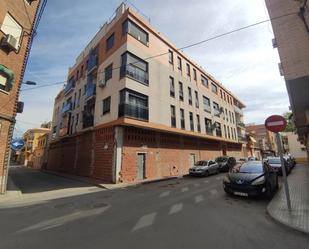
214,191
145,221
185,189
206,181
164,194
196,184
175,208
199,198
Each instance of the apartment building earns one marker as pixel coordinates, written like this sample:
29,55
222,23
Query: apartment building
263,139
135,107
39,159
16,25
292,40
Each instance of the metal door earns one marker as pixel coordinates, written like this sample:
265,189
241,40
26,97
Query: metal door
140,166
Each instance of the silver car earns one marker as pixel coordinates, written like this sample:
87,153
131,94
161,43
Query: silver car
204,168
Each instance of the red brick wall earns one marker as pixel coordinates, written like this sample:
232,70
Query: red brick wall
166,154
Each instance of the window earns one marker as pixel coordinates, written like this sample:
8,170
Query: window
224,96
225,134
180,91
179,65
106,105
79,95
228,132
227,117
82,72
233,118
182,118
77,118
188,70
230,115
197,105
11,27
6,78
110,42
221,94
194,73
74,101
170,57
173,116
134,67
133,104
214,88
172,87
204,81
77,75
216,109
108,72
208,126
190,95
198,123
191,121
218,129
206,104
129,27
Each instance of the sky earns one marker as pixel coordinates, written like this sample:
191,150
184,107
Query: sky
244,62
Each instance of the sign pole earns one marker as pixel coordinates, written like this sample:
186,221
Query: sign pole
284,173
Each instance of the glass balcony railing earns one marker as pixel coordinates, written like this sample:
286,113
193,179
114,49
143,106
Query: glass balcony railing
241,125
90,90
238,110
217,112
88,120
134,73
92,62
66,108
133,111
242,138
69,86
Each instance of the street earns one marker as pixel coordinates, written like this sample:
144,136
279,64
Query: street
182,213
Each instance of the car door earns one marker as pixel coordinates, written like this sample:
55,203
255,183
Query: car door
211,166
271,175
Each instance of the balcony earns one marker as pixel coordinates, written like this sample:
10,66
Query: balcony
207,108
217,113
242,139
66,108
92,62
135,73
69,86
241,125
88,119
238,110
90,90
133,111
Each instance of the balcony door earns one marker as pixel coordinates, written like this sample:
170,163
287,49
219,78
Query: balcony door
141,166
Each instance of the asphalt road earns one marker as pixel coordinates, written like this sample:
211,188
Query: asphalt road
181,213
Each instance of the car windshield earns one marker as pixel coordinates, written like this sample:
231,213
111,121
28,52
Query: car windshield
200,163
221,159
250,167
274,161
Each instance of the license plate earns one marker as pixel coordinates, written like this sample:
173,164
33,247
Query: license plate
240,194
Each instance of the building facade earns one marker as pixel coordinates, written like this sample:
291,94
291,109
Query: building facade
293,147
292,40
40,152
136,108
33,139
262,139
16,25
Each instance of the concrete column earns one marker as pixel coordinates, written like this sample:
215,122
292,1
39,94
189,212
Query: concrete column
117,159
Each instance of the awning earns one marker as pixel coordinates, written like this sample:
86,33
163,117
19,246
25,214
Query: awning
9,74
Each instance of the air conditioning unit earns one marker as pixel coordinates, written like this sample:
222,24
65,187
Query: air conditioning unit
102,83
10,41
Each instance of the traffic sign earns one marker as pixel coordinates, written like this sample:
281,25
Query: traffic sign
275,123
17,144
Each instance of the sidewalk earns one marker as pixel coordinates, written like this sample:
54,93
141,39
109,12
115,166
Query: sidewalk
298,218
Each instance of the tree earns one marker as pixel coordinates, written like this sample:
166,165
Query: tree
290,127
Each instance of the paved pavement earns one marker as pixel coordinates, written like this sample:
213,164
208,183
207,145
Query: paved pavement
180,213
298,218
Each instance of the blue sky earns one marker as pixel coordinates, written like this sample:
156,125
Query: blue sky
244,62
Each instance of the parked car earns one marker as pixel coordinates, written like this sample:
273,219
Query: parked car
242,160
252,158
251,179
204,168
225,163
275,164
290,160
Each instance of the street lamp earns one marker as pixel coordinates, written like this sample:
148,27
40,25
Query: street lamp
28,82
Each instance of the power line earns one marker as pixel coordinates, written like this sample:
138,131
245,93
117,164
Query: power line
45,85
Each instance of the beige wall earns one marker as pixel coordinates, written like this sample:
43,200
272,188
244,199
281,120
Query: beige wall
296,149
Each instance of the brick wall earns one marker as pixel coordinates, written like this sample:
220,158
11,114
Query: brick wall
21,12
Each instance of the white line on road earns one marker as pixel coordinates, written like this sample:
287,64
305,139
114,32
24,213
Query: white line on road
144,221
185,189
175,208
199,198
164,194
214,191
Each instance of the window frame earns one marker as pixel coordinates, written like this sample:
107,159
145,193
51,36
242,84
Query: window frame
106,111
112,39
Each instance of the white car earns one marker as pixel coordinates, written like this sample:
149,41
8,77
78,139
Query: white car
204,168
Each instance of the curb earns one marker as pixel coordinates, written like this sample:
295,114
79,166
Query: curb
284,224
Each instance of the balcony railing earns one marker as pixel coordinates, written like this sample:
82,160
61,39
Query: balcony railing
92,63
69,86
241,125
238,110
207,108
133,111
90,90
88,120
135,73
242,138
66,108
217,112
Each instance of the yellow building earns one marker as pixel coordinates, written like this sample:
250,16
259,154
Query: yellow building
31,138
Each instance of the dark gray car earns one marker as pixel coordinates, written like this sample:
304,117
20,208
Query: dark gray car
225,163
204,168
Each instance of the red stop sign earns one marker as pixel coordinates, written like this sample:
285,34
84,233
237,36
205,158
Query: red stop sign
275,123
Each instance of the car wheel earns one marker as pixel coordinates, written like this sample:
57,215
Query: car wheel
268,192
206,173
